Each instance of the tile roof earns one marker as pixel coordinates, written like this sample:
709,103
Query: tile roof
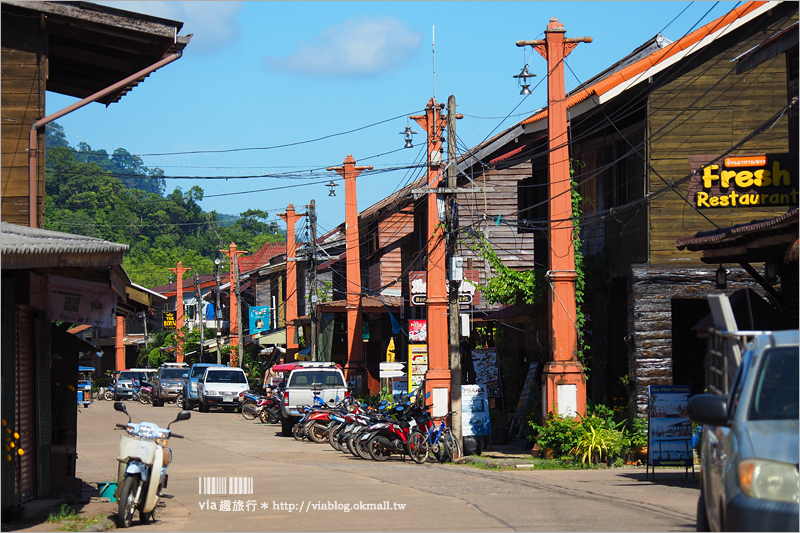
24,240
262,256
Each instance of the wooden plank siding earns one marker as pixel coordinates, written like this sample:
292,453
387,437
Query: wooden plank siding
23,60
495,214
708,110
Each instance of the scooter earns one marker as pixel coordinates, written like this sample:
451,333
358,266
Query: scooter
142,474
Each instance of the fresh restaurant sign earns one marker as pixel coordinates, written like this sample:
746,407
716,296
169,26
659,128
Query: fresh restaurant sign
762,180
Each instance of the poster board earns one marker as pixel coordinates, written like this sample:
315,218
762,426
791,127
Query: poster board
669,431
418,331
418,359
487,370
525,397
475,411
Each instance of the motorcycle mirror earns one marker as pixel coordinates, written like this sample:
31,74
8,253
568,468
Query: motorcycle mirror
183,415
119,406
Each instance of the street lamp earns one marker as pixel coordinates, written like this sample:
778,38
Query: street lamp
332,187
524,75
408,133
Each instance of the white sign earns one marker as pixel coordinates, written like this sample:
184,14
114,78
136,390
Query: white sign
392,373
81,302
474,411
392,366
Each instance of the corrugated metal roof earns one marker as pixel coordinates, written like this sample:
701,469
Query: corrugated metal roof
24,240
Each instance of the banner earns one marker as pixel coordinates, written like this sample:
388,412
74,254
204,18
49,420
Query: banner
259,319
81,302
487,370
670,430
474,411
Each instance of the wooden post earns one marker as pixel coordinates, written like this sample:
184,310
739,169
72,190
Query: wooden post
355,368
563,378
119,344
179,271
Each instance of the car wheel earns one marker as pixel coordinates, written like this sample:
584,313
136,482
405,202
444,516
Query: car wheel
702,517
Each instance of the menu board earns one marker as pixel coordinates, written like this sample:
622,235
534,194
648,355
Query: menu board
487,370
474,411
418,331
670,430
418,357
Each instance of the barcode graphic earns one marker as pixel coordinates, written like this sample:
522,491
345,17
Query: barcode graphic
225,485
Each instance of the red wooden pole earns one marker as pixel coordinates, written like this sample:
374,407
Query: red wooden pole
233,318
291,218
355,368
563,377
438,374
179,271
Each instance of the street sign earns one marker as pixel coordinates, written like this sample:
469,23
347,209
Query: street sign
392,366
392,373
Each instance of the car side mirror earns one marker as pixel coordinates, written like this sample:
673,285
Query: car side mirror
184,375
709,409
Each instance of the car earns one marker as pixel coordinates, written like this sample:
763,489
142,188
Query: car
307,380
749,450
190,384
168,383
123,386
220,387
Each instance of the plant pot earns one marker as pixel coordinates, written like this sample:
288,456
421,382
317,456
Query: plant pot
548,453
536,451
641,454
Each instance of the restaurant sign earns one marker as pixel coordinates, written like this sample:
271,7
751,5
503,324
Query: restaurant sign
467,290
761,180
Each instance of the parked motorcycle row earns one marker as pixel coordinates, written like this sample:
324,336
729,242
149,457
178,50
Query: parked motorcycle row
143,394
367,431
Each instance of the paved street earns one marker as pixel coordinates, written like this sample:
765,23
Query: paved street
288,475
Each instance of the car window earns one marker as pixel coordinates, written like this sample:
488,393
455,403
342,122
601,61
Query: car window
198,371
736,389
125,375
323,379
172,373
225,376
775,392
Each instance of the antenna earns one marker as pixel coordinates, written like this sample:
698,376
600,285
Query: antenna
433,51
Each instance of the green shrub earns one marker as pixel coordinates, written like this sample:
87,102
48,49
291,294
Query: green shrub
558,433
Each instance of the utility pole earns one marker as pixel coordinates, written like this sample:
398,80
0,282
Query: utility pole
238,315
199,311
218,313
452,243
292,347
179,271
312,220
234,311
355,369
563,378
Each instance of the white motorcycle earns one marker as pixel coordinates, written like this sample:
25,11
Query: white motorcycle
142,473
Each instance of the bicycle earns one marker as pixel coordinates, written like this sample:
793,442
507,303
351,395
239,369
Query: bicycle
441,442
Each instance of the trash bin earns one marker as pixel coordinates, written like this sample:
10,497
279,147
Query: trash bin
107,490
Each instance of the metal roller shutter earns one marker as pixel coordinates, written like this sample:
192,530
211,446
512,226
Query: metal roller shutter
25,407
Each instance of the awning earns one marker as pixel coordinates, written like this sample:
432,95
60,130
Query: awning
369,304
277,336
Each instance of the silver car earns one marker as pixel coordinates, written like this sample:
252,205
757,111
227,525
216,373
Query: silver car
750,478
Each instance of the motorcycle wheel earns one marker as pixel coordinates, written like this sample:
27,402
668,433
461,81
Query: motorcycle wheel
297,432
272,416
377,450
362,447
127,501
317,433
109,395
146,518
333,437
143,399
417,448
249,411
351,444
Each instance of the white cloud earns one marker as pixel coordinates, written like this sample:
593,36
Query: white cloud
213,23
360,47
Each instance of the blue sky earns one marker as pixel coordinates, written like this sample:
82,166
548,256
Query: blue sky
264,74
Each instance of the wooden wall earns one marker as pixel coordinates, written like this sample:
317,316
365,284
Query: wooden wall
23,102
707,111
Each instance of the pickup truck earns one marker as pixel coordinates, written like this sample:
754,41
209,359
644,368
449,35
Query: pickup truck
189,395
307,379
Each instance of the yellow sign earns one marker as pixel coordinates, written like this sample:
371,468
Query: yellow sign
169,321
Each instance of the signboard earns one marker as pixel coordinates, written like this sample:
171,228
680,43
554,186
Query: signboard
81,302
466,290
475,411
418,358
169,321
259,319
670,430
739,182
487,370
392,370
418,331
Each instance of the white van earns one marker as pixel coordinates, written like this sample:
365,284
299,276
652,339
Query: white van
220,387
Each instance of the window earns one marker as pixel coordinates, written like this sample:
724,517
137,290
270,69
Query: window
775,392
532,200
226,376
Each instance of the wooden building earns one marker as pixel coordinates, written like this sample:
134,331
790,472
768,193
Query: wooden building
640,133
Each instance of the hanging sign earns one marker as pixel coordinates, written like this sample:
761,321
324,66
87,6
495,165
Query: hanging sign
259,319
467,290
743,181
392,370
418,331
169,321
670,430
81,302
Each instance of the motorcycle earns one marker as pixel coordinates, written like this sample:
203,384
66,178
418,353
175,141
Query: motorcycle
142,473
108,394
144,394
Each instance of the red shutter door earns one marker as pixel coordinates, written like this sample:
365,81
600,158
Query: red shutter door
26,407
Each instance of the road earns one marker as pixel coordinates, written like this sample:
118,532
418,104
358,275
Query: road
301,486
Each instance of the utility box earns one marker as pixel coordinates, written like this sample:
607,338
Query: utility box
456,269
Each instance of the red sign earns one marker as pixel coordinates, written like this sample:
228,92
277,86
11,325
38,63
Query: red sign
418,331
